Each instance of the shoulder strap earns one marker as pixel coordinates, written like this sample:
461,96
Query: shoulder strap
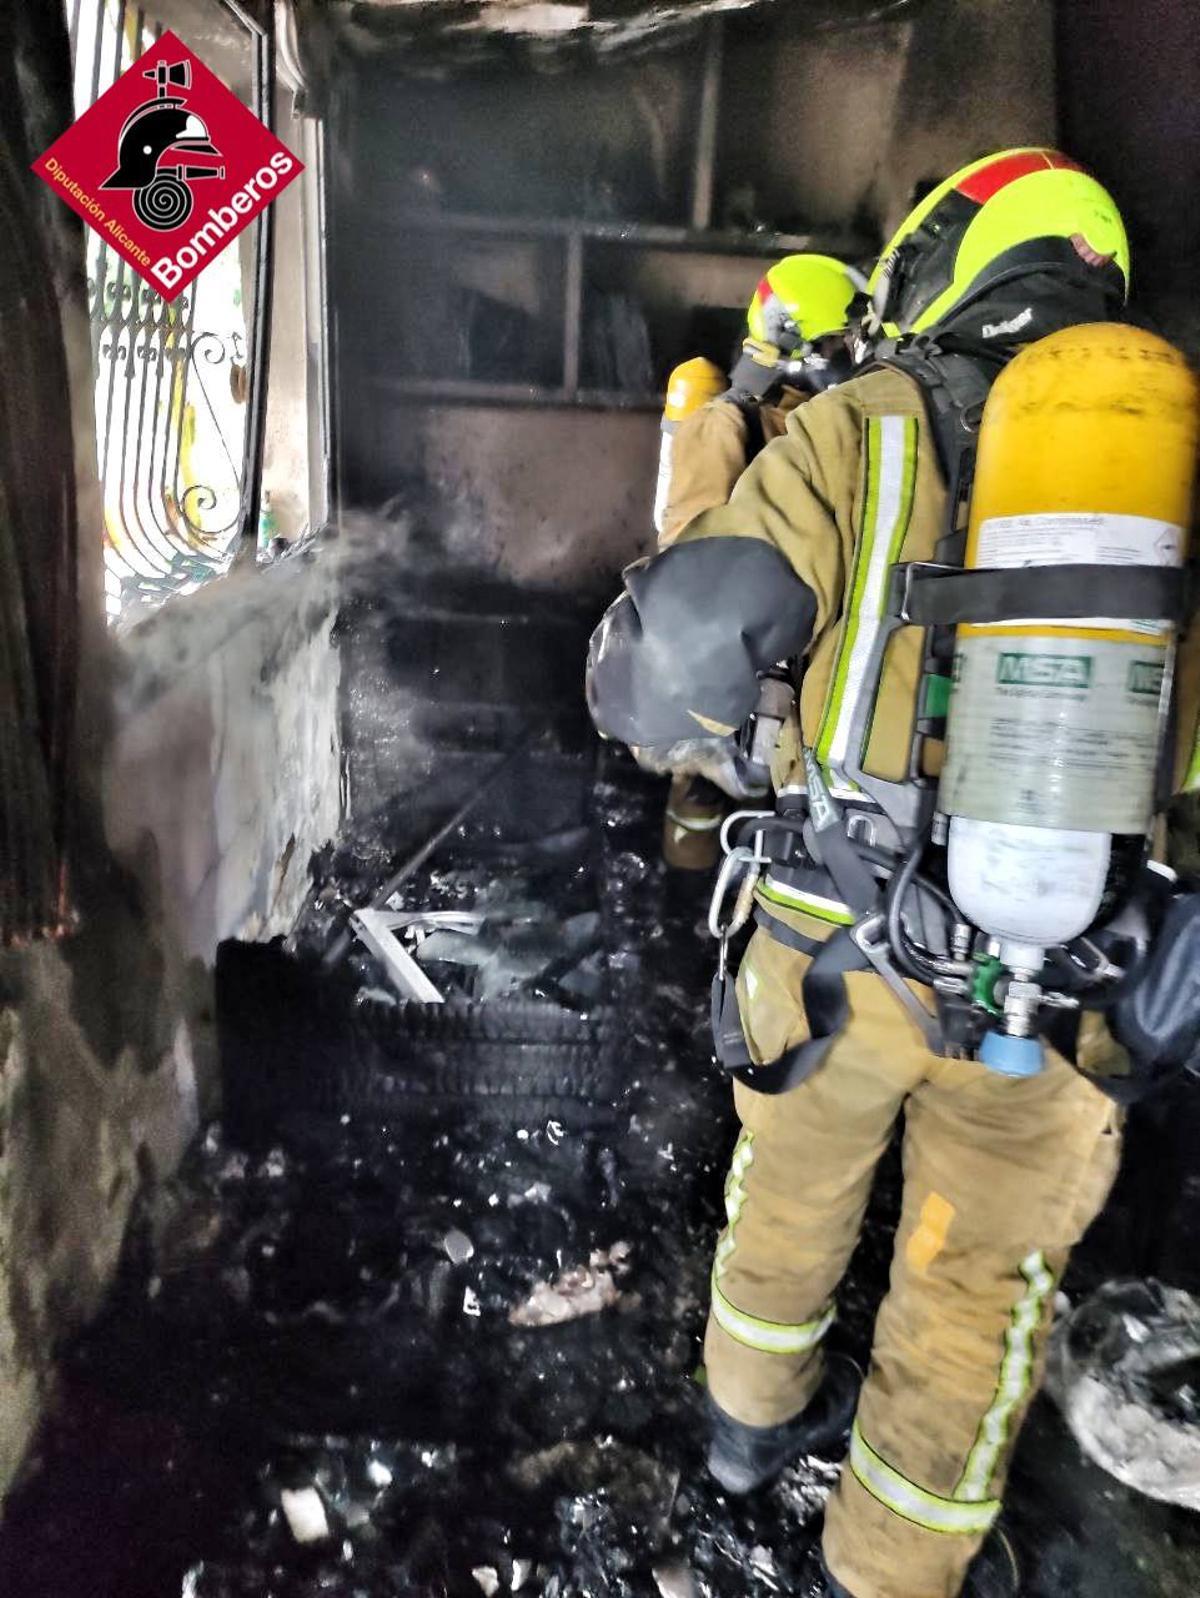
954,375
826,1008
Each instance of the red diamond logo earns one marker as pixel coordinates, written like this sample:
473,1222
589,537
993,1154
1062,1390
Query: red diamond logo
168,167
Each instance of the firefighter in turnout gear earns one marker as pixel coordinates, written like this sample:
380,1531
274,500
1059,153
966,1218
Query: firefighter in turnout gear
796,345
821,1033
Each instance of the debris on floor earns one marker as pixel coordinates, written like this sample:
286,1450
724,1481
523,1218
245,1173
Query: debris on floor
579,1290
311,1380
305,1514
1125,1370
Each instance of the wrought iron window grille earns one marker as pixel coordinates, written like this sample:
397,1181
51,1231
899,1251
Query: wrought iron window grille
180,388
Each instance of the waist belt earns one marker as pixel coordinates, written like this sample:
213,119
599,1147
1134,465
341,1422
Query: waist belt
793,842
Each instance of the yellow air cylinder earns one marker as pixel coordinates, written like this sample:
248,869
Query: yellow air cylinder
691,385
1087,455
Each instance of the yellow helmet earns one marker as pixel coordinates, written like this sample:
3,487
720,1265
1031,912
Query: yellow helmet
1011,215
801,299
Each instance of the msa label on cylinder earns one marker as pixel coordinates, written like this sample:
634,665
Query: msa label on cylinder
1016,670
1053,732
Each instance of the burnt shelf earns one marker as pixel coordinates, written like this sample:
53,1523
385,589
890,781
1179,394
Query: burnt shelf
648,235
579,239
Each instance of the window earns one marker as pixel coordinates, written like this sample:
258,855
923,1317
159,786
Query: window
180,389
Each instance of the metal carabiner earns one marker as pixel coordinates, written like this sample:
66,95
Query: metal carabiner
751,862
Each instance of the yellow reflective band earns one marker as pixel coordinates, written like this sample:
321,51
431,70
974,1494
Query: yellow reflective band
1016,1379
1042,629
693,823
768,1337
735,1198
890,450
917,1504
743,1157
813,904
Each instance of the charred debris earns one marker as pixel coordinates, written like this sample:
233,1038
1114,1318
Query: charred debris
422,1314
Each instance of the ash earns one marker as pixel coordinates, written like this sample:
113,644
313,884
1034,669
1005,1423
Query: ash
451,1350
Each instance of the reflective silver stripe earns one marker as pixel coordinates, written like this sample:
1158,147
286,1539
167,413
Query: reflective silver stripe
735,1198
692,825
813,904
666,470
915,1503
890,475
769,1337
794,790
1016,1379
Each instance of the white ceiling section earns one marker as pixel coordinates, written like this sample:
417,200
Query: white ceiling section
605,22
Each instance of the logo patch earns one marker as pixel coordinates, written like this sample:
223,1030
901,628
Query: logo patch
1013,325
820,806
1044,671
1146,677
168,167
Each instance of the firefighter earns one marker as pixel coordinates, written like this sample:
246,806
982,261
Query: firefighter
1001,1176
795,346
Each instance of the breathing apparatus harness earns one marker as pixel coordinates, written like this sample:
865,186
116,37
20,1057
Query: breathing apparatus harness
881,848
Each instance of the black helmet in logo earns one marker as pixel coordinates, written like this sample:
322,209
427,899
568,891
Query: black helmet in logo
162,198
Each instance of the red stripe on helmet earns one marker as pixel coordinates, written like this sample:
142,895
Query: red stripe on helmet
1006,169
764,291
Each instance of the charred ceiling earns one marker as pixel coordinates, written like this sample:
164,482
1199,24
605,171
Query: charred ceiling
442,37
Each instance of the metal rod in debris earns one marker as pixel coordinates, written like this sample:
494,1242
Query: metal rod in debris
341,944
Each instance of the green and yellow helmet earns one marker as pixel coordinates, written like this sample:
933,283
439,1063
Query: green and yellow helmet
1011,215
801,299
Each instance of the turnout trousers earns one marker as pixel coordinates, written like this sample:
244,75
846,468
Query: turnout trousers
1001,1178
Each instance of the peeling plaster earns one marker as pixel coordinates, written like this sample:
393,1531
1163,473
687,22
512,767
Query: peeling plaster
532,19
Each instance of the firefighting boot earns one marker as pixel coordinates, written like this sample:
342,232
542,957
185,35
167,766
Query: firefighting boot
692,824
743,1457
994,1573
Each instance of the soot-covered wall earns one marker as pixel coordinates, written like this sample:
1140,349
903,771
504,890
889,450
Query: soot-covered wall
204,767
826,130
1129,84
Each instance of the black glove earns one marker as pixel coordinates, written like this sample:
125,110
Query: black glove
756,372
1157,1015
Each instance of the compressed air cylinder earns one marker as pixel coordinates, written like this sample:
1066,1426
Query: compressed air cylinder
1086,455
690,386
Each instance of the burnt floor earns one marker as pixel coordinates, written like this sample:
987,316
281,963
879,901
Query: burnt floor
324,1310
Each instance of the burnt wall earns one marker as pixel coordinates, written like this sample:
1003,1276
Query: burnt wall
824,131
838,126
552,498
545,495
204,769
1129,84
